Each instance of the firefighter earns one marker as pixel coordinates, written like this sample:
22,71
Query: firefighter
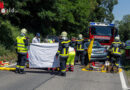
80,52
115,49
63,52
21,49
70,60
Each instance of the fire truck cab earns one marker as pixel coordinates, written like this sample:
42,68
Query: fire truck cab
103,33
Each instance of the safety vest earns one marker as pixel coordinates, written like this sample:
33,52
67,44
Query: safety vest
80,45
116,48
21,48
64,48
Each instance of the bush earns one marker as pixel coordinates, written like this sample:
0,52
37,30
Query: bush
3,51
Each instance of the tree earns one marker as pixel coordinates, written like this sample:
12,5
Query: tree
103,11
51,17
124,28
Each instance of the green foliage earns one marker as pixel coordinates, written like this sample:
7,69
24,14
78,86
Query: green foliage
3,51
124,28
51,17
103,11
8,34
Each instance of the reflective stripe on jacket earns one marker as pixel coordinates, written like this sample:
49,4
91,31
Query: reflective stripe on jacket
116,48
64,47
80,45
21,48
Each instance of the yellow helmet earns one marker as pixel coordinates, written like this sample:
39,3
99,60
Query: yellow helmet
80,36
24,30
64,34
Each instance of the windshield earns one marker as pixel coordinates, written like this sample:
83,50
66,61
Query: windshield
101,30
95,45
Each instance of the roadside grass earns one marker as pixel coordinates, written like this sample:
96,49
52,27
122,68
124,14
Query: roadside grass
127,70
11,57
126,67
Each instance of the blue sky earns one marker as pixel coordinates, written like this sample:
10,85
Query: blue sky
121,9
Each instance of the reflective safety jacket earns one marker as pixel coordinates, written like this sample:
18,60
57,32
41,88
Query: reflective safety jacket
80,45
116,48
21,47
63,49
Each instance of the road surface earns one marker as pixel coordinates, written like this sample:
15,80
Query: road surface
36,79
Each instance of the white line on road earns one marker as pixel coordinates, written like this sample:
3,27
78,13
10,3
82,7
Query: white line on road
123,82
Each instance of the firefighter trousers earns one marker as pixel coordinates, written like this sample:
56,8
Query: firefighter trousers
63,61
80,56
70,61
118,60
21,61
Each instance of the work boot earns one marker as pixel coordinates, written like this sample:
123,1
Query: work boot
22,71
17,70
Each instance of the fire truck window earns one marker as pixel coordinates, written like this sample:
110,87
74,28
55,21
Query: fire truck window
93,31
112,31
101,30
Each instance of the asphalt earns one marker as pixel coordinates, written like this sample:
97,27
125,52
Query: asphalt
36,79
29,81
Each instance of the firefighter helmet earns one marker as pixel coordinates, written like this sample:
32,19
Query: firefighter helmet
117,38
80,36
24,30
64,34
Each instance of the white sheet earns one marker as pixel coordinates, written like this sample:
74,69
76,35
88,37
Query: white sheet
42,55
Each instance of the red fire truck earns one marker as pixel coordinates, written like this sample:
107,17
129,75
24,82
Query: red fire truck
103,33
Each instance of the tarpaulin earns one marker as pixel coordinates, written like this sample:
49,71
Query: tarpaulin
42,55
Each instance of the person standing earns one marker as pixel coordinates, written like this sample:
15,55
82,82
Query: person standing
21,49
71,57
80,52
63,52
36,39
115,49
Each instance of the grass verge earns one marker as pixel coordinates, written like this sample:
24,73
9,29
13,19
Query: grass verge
127,70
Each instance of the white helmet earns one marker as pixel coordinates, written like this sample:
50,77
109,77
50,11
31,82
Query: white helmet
64,34
24,30
80,36
117,38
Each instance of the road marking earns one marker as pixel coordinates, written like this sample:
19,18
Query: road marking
123,82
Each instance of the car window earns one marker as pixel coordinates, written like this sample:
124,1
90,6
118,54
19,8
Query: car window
86,44
95,45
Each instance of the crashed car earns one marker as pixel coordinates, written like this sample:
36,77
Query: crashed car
98,51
